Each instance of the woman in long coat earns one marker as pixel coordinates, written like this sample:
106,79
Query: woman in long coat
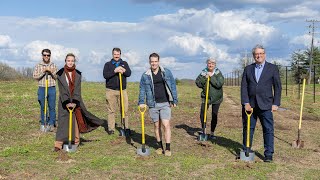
69,81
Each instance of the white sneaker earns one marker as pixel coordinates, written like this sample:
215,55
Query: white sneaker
42,128
49,128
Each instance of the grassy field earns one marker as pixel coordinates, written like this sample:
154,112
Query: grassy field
26,153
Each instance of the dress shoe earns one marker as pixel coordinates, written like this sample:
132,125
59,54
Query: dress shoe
110,132
127,132
267,159
56,149
212,137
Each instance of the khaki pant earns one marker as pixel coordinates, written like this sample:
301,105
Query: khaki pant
113,101
59,144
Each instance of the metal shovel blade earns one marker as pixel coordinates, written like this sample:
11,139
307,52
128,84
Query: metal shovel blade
203,137
42,128
67,148
122,132
143,151
247,156
298,144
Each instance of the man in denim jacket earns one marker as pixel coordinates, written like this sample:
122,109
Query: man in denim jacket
158,87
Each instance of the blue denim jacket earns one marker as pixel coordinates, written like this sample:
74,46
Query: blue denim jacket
147,88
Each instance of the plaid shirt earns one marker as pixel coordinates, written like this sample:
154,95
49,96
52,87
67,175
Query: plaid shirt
39,74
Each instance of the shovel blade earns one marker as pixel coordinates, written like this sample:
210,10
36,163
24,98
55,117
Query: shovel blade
247,156
143,151
298,144
203,137
67,148
122,132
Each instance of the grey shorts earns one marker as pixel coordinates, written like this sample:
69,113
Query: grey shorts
160,111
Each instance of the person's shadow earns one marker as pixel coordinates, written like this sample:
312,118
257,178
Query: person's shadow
85,141
232,146
190,130
136,138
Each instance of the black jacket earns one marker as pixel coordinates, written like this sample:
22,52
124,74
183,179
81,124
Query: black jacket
112,78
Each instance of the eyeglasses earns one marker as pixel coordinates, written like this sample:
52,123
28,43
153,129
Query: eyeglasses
48,55
258,54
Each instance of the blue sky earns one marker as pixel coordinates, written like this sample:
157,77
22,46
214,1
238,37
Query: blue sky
184,33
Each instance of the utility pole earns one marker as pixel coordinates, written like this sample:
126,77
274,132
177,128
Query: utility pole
246,59
311,31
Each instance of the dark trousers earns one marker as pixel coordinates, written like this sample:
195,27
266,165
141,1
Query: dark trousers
215,109
266,120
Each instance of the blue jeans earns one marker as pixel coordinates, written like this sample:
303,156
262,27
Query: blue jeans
51,120
266,120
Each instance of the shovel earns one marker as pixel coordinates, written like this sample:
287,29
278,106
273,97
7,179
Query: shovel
203,136
298,143
247,155
122,131
70,147
45,128
143,151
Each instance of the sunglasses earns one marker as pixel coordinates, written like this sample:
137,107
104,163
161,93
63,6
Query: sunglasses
48,55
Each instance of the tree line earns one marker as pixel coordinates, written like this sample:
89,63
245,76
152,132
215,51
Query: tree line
8,73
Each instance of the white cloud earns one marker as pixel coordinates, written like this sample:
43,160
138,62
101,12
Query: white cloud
305,40
5,41
58,52
183,38
95,57
228,25
194,45
132,57
191,45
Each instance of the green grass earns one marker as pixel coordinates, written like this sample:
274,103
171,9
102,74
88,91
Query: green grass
25,153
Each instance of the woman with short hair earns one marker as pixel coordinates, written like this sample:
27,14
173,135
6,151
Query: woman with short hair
215,95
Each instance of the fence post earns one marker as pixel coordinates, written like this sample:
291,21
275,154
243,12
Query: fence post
314,84
232,78
286,80
299,82
238,78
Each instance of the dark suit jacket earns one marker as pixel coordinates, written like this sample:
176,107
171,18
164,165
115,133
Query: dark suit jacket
266,92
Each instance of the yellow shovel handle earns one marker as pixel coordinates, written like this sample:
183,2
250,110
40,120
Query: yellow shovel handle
302,100
248,127
46,100
70,122
206,102
142,122
121,96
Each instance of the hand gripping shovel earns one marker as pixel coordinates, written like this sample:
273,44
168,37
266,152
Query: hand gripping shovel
70,147
247,155
203,136
45,127
123,130
143,151
298,143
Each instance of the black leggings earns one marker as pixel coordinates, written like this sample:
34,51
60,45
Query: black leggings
215,109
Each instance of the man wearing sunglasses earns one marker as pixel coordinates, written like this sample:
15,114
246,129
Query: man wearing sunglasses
46,67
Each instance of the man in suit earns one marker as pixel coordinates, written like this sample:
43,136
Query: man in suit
261,91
